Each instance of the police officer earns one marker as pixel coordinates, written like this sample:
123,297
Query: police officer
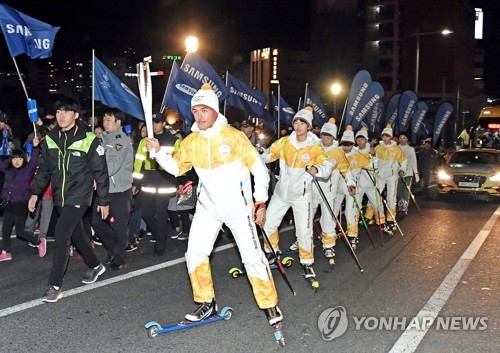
156,185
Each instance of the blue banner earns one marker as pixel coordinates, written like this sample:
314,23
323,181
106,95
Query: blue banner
416,120
199,71
179,93
244,97
268,120
374,117
112,92
442,115
359,86
391,113
319,111
407,105
287,113
371,96
26,35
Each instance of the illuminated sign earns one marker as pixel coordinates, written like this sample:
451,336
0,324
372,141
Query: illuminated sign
478,24
494,126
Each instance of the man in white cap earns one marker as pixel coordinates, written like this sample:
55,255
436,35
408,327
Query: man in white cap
301,158
366,178
356,162
411,170
328,134
392,165
223,158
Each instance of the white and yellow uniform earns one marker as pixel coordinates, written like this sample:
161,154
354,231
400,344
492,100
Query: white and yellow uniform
223,158
366,185
294,189
357,163
329,187
391,160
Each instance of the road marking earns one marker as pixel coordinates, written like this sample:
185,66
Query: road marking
89,287
411,337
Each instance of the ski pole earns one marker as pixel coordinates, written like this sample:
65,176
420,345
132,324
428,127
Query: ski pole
377,200
344,236
278,261
412,196
387,207
364,220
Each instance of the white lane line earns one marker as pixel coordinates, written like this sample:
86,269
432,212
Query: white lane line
88,287
410,339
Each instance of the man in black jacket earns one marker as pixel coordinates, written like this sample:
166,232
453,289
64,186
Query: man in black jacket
72,159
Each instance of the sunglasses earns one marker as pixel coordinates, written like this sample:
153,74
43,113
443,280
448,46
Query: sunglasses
347,144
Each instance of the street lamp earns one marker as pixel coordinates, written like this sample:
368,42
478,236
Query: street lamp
418,34
191,44
336,89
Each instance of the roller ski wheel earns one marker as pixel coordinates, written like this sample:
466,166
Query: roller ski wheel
278,335
330,256
153,331
354,242
236,272
287,261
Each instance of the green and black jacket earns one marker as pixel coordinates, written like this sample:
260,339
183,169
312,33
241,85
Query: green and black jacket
72,160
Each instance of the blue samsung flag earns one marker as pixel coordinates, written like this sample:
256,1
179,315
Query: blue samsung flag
287,113
373,93
26,35
374,117
442,115
199,71
416,120
179,93
391,113
114,93
319,112
358,87
244,97
407,105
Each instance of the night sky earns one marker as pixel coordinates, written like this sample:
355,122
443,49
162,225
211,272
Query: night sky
224,27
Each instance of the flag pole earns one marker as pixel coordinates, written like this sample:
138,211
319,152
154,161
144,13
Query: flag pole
305,95
343,113
279,110
21,79
300,101
24,88
93,91
225,101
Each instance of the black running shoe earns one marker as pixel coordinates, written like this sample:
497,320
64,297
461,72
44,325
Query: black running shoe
52,295
205,310
93,274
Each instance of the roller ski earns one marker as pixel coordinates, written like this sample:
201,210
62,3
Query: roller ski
275,319
390,228
206,313
310,276
236,272
330,255
354,242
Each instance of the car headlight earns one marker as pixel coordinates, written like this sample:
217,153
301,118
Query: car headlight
443,175
495,177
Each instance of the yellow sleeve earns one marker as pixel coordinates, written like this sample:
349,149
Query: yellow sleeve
182,157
